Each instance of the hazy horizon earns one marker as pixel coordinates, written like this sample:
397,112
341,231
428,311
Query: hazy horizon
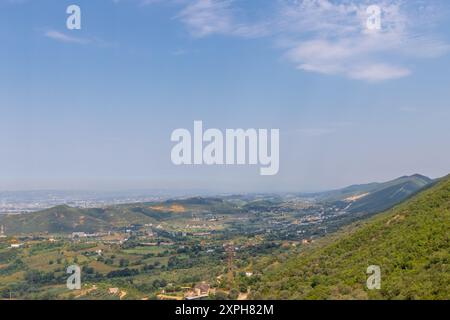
168,191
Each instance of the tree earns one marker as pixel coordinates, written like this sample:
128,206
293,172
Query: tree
234,294
124,263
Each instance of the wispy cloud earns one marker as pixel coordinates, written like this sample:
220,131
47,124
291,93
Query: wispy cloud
373,71
66,38
63,37
207,17
330,37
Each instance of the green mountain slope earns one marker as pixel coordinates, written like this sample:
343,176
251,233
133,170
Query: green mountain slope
417,180
410,243
367,199
388,194
65,219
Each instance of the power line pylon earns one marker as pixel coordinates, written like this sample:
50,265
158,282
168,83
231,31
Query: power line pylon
229,248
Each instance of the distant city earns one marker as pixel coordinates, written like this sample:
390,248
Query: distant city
15,202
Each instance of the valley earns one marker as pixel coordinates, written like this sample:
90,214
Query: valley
187,248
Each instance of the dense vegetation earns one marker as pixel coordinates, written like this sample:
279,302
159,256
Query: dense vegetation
65,219
409,242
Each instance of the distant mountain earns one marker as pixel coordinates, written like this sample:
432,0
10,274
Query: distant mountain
65,219
358,199
410,244
376,197
389,194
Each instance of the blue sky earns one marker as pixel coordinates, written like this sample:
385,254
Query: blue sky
94,108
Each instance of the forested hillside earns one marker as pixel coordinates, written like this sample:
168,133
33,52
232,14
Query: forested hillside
410,243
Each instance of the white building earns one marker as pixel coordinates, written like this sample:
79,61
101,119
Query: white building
79,235
2,232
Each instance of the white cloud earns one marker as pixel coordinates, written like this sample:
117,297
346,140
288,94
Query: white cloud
66,38
330,37
207,17
352,58
377,72
62,37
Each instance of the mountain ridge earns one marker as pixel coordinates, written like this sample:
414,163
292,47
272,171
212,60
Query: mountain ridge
409,242
66,219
